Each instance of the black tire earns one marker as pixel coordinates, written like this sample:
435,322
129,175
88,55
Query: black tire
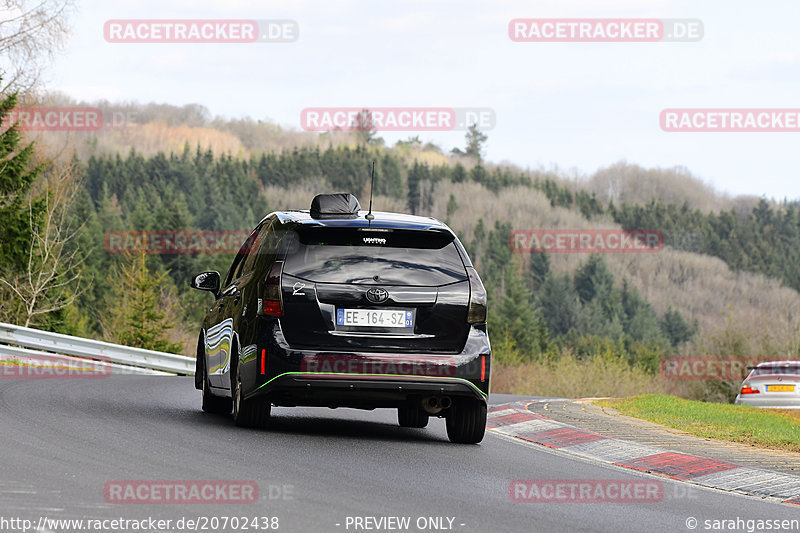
412,417
466,421
214,404
252,413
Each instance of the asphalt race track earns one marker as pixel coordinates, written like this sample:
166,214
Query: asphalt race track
63,440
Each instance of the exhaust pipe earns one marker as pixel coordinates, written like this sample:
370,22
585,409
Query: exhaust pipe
431,405
434,405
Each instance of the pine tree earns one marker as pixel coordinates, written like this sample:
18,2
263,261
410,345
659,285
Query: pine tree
559,303
478,174
475,140
517,315
391,181
639,318
480,231
16,178
452,206
590,276
498,253
675,328
419,178
539,269
138,311
459,173
364,128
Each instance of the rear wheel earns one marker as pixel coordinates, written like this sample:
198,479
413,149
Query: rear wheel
412,417
466,421
252,413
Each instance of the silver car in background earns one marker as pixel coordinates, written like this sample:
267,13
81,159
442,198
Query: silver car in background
773,384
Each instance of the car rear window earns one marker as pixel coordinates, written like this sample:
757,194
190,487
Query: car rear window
772,370
357,255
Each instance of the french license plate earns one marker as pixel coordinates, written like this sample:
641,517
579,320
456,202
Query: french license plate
381,318
780,388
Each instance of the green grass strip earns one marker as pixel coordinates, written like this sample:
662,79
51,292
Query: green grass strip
766,428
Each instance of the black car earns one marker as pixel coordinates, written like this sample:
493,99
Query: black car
335,307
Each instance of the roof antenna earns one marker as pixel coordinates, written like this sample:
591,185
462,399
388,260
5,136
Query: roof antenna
370,216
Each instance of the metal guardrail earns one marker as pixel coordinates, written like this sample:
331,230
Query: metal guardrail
55,364
28,343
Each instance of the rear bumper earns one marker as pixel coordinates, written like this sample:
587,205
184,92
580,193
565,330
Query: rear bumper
368,391
366,380
759,400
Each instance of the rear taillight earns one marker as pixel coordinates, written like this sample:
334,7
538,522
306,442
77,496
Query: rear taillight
747,390
477,298
271,292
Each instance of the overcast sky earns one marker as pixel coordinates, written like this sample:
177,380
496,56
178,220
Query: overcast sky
575,105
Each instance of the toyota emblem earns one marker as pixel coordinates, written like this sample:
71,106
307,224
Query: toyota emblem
377,295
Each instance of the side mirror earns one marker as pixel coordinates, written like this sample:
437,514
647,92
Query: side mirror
207,281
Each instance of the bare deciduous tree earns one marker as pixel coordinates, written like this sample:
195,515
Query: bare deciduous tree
30,33
51,279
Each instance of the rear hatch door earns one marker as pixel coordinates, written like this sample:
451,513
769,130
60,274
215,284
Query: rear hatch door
375,290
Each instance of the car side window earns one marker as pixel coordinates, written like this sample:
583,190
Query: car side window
260,245
242,255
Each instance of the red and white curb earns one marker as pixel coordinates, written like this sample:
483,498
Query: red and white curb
514,420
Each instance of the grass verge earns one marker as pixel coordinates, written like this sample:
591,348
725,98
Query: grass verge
766,428
569,377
